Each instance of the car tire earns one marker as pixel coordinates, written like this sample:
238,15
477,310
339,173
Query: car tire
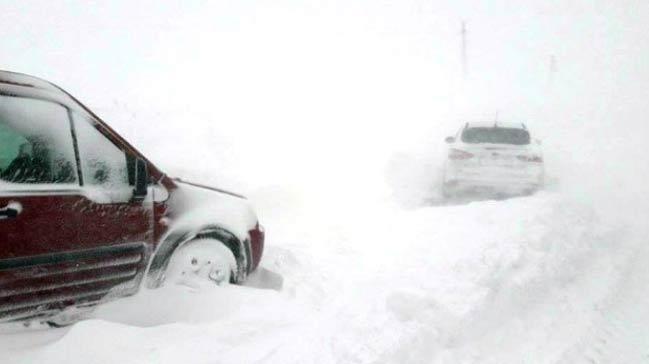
200,261
447,192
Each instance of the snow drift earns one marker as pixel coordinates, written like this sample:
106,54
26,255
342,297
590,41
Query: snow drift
331,118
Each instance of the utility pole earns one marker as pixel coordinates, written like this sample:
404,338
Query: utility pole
464,60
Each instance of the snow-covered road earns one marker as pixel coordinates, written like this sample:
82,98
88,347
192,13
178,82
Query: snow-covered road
619,332
315,109
540,279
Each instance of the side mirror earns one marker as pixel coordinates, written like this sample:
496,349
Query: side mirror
450,140
141,180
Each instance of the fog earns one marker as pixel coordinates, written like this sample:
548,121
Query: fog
322,95
331,116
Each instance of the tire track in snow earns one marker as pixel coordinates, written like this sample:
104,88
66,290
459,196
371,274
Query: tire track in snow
541,293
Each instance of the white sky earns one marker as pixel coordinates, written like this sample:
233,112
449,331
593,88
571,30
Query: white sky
298,91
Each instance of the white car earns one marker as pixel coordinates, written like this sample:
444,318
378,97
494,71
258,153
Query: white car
493,158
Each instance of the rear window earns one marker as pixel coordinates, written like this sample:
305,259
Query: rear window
496,135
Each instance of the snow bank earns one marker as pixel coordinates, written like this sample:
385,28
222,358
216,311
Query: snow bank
320,111
399,286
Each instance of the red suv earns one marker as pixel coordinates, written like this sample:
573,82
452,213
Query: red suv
84,217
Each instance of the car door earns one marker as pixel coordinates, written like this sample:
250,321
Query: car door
112,216
58,245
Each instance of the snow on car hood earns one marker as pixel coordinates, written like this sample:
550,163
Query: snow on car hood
193,206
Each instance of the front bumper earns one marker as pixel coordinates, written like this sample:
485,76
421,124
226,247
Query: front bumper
257,239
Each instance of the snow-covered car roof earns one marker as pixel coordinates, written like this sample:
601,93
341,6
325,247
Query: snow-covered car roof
490,124
20,84
20,79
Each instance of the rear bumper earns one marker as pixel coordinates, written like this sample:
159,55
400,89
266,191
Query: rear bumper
495,187
494,180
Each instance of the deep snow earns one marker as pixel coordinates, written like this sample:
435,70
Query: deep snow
447,284
331,118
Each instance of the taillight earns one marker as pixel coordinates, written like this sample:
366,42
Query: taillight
457,154
530,158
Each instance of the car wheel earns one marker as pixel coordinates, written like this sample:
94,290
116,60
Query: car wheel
59,325
530,191
202,260
447,192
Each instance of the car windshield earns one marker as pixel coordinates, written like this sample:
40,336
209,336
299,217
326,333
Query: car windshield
496,135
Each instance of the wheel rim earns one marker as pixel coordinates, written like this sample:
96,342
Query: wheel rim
201,261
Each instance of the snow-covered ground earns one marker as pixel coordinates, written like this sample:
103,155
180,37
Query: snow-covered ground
523,280
331,118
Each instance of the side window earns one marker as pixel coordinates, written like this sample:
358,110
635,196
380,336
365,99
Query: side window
104,166
35,143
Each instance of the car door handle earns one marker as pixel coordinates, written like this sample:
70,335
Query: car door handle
11,211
